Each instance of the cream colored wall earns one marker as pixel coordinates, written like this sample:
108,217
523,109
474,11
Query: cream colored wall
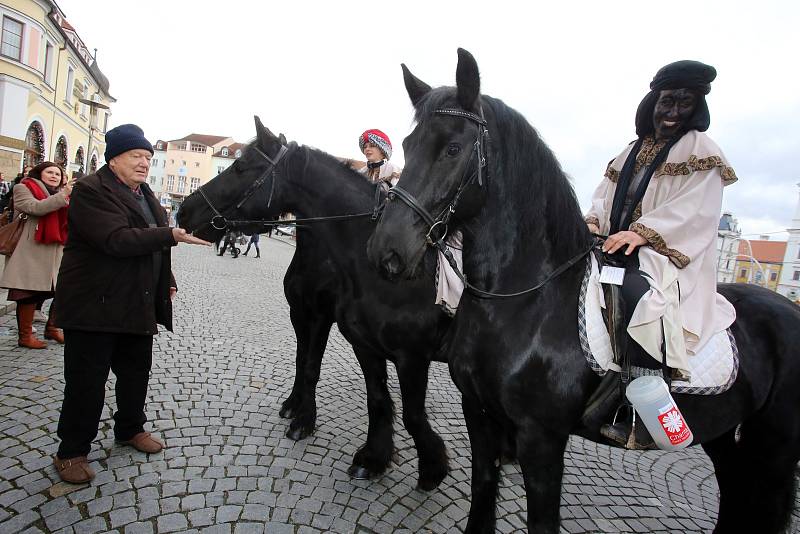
48,102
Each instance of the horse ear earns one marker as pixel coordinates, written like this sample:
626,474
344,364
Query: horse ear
282,139
262,132
416,88
468,80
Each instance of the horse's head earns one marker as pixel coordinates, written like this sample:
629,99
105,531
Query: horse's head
244,191
445,174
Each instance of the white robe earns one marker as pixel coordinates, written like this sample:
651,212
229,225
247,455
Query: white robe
679,218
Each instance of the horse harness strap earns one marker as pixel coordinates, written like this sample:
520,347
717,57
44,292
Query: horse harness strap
437,226
220,222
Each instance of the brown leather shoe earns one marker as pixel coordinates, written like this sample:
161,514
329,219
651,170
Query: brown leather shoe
144,442
74,470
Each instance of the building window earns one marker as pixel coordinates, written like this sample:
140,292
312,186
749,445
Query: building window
225,151
93,163
172,162
70,84
84,95
238,153
796,275
179,146
170,182
34,145
194,185
759,277
152,180
48,63
60,156
197,147
773,277
181,184
79,159
727,264
12,39
154,162
196,163
743,274
160,145
798,253
77,94
220,169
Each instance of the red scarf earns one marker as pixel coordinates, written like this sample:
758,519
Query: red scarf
52,226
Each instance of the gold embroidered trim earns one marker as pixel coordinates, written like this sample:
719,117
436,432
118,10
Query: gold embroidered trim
592,220
659,245
651,148
694,164
637,213
612,173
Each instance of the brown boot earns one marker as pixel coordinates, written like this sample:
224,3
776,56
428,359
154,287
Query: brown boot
51,332
24,323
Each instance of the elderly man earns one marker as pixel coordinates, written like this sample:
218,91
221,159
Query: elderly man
660,203
114,286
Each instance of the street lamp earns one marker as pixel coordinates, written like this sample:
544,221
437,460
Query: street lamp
753,259
93,106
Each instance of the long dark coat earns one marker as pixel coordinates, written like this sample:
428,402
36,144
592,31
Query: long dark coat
105,283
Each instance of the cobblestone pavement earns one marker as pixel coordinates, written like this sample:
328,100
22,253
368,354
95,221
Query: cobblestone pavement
216,387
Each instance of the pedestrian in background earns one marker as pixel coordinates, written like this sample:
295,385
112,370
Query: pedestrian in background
31,271
253,241
115,287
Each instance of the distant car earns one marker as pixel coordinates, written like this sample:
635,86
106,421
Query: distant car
285,230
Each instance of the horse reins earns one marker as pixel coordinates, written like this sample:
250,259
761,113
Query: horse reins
220,222
447,212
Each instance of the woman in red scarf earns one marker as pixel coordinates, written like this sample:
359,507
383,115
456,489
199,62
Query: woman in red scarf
31,271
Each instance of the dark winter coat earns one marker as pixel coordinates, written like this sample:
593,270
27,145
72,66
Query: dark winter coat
106,283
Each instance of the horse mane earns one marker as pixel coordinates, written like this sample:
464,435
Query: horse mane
531,176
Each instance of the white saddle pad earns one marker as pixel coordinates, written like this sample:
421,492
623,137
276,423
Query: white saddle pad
714,368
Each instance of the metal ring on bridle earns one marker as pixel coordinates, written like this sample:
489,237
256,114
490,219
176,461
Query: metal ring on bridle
214,220
428,238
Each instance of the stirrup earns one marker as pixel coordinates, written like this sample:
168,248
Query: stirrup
624,434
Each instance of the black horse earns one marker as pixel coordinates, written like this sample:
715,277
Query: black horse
330,280
518,362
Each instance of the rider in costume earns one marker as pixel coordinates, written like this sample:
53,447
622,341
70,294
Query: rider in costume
660,203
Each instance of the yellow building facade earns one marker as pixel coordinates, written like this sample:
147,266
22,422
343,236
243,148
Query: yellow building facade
45,72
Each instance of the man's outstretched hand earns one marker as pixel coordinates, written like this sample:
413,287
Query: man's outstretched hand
182,236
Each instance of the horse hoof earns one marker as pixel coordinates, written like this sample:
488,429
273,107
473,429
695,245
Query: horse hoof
358,472
287,412
296,434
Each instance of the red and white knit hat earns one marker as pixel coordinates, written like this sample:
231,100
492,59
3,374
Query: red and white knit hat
378,138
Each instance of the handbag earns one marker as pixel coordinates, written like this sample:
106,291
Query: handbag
10,234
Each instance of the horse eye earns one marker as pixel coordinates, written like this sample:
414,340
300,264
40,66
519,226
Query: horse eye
453,149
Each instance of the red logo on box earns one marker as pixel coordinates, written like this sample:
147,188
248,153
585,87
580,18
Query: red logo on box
674,426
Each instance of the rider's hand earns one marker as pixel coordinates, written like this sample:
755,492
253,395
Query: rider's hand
182,236
621,239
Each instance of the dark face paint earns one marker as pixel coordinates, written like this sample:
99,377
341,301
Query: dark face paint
672,112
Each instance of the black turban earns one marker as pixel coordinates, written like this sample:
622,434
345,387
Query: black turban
685,74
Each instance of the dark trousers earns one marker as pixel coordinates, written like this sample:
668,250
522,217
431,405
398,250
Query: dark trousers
634,287
88,356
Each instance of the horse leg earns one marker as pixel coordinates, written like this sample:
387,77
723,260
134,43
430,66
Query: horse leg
770,448
730,472
376,454
486,449
301,406
541,455
413,377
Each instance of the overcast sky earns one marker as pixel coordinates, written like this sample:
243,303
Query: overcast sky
322,72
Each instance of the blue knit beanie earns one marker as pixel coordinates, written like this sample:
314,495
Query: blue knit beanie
123,138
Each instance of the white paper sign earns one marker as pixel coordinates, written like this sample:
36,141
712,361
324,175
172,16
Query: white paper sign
612,275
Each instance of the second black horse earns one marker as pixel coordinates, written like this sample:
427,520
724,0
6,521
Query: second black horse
330,280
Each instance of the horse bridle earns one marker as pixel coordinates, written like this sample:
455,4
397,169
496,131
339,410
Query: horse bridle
438,242
479,150
219,221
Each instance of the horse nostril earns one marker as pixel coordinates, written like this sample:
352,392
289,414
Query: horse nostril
392,263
